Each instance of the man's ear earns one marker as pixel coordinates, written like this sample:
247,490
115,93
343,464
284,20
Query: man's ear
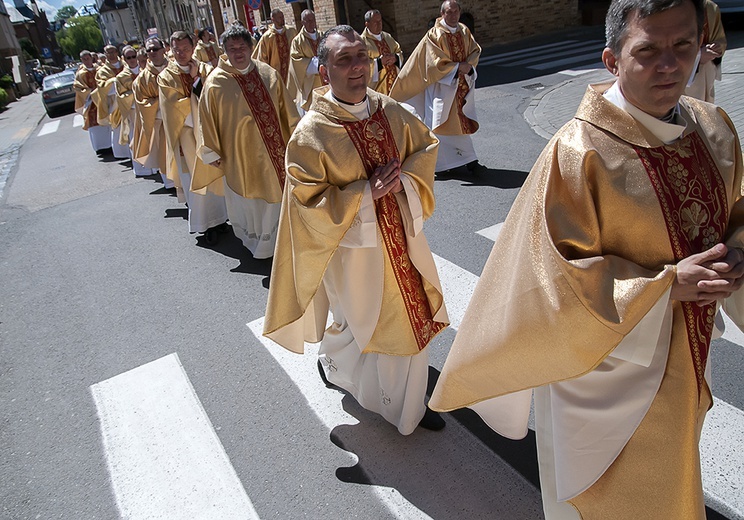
609,60
323,71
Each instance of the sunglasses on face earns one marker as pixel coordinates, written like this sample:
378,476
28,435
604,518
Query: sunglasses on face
130,57
154,49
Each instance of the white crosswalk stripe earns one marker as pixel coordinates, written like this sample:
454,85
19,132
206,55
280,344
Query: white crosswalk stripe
570,53
49,128
164,458
77,121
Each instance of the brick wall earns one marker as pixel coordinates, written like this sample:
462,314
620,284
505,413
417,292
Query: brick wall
496,21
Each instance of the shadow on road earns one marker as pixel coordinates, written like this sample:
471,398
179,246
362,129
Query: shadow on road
231,246
505,179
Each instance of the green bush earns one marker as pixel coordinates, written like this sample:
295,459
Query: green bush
6,82
3,98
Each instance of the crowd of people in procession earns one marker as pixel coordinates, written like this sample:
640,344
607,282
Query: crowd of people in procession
321,153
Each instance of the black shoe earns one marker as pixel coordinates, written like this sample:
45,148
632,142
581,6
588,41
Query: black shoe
323,376
444,173
223,228
432,421
211,236
475,167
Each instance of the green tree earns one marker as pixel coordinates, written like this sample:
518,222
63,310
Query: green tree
29,51
65,12
81,33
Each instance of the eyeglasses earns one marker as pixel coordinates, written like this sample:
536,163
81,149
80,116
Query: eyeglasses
154,49
133,57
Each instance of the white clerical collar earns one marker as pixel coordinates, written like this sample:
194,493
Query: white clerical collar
280,31
187,68
247,69
160,67
359,110
116,65
90,68
135,69
377,37
451,29
312,35
665,132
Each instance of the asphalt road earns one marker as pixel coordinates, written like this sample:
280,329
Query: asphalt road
134,385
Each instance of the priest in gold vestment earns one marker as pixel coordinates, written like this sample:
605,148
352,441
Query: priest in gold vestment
273,48
438,81
246,119
711,52
384,52
84,86
148,140
304,55
179,85
207,50
360,172
105,98
602,289
125,102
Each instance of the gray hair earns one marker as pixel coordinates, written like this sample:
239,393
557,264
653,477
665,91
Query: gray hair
441,8
616,22
323,50
85,53
236,32
304,14
275,11
156,40
369,14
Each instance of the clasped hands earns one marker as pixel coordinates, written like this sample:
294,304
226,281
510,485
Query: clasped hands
386,179
709,276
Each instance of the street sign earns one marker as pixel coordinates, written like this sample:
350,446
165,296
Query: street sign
254,4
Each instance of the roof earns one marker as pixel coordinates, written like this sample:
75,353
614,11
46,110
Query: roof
16,16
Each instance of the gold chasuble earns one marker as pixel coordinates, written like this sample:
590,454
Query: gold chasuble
146,95
247,120
329,159
376,48
436,55
302,50
570,277
177,103
85,85
273,50
125,101
105,79
207,52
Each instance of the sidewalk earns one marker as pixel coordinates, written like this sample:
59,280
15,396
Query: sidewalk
17,122
554,107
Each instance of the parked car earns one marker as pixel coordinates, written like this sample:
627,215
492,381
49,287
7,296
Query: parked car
57,91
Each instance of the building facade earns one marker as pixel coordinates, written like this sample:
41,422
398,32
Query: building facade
493,21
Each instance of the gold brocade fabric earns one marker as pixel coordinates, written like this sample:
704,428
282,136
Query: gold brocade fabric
175,106
584,254
206,52
582,275
84,86
301,51
125,100
713,27
146,96
239,135
430,61
273,50
375,48
326,178
374,142
105,78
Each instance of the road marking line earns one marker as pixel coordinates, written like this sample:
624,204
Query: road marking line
573,59
77,121
48,128
329,409
163,455
491,232
548,58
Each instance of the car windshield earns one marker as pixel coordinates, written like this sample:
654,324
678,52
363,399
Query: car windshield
57,80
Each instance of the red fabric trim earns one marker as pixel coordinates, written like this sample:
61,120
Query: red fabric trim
693,199
262,107
283,48
392,71
457,49
373,140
